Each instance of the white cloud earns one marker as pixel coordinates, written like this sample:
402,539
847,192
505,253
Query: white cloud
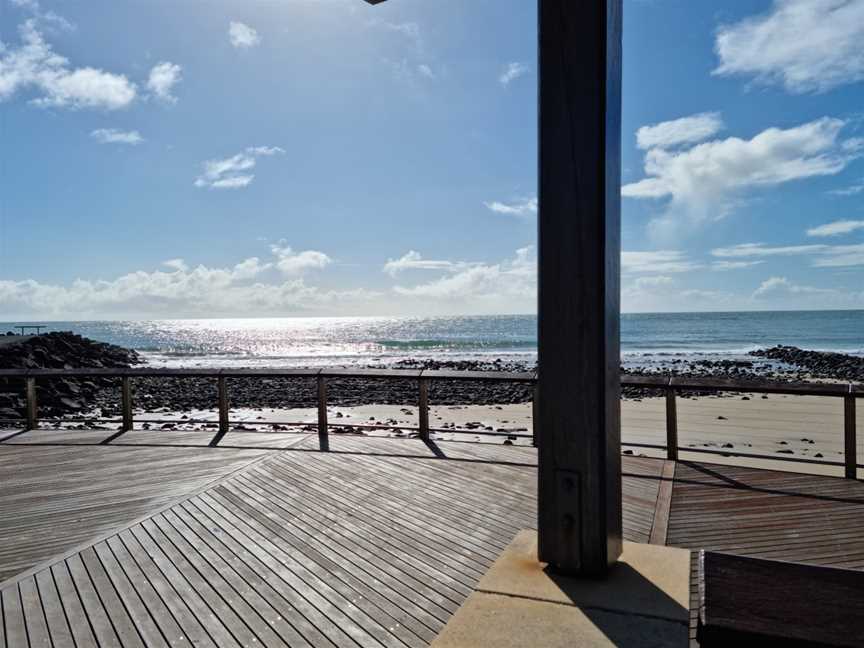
852,190
643,283
176,264
722,266
181,290
836,228
410,30
233,172
413,260
762,250
686,130
823,256
163,77
803,45
511,284
522,207
408,72
115,136
47,19
662,261
243,36
290,262
511,72
426,71
706,180
663,293
35,66
775,285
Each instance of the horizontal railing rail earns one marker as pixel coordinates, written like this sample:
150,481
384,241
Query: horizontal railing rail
667,386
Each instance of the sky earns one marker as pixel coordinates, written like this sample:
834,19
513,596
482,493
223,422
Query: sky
182,158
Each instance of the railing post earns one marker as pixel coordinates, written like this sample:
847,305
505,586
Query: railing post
850,436
126,398
32,419
223,405
423,409
671,423
323,438
535,410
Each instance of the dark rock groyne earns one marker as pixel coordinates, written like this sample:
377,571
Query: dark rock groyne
818,364
69,396
58,351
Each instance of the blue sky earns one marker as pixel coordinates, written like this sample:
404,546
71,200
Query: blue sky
323,157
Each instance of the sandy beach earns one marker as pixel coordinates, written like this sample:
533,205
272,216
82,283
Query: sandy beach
788,427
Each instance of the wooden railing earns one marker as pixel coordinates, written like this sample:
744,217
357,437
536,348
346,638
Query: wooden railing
423,377
668,387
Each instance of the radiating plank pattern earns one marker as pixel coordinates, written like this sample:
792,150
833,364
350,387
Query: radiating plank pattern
59,489
376,543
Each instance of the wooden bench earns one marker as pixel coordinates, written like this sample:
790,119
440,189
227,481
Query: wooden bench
755,602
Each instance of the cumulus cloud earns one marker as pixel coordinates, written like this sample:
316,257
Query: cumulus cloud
413,260
521,207
781,292
115,136
822,256
660,261
836,228
511,282
686,130
664,293
722,266
290,262
183,290
706,180
242,36
803,45
34,66
511,72
163,77
234,172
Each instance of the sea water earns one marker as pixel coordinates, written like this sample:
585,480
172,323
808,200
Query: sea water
647,339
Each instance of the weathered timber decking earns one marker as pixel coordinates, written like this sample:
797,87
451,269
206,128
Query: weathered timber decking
60,488
373,544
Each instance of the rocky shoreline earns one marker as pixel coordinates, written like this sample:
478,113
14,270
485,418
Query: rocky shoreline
64,397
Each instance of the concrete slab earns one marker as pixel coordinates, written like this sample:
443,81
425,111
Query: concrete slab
518,602
648,579
508,622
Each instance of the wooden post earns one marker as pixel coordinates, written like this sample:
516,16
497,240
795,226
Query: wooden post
323,438
671,424
423,409
580,519
223,405
126,398
32,418
535,413
850,436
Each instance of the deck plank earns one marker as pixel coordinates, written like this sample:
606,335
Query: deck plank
375,543
63,488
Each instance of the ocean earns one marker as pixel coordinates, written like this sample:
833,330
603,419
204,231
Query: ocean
647,340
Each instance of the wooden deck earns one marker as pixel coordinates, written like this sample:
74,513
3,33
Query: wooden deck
156,539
